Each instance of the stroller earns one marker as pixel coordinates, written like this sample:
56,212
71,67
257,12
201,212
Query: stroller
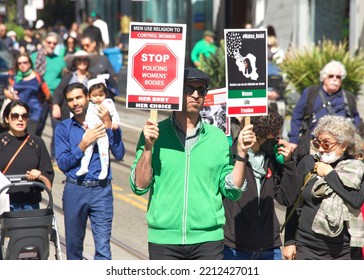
26,235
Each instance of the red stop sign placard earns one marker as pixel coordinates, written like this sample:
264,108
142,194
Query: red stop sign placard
154,67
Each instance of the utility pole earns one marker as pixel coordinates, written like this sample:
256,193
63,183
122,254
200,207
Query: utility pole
20,19
79,6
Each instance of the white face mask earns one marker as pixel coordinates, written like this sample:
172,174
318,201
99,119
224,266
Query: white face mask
329,157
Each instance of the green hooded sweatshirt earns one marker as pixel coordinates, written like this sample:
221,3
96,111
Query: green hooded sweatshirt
185,200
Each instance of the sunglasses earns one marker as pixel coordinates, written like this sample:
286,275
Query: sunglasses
23,62
202,91
51,43
85,45
326,145
82,60
15,116
336,76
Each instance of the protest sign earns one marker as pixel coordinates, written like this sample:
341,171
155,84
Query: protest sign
246,72
214,110
156,66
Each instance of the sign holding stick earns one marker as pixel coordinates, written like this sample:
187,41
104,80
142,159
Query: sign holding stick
154,115
246,72
156,67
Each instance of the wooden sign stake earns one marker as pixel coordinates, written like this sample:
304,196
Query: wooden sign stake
247,120
154,115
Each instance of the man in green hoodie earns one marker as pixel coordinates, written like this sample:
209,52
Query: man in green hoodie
205,46
187,166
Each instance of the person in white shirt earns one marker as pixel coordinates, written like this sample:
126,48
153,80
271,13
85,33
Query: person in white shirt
102,25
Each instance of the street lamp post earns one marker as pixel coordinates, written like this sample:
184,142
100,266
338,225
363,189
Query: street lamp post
20,19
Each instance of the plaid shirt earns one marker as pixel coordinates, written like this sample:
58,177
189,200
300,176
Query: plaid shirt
333,211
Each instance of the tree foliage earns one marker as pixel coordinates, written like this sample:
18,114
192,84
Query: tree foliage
214,67
301,67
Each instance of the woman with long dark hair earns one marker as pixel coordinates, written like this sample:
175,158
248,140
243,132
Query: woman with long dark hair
248,67
32,160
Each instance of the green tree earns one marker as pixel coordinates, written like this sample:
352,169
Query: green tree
214,67
10,23
301,67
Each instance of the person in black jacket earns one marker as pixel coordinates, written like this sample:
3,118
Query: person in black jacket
32,160
328,224
78,65
252,227
102,64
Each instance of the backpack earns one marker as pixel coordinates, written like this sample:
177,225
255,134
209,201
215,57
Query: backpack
309,117
314,91
44,93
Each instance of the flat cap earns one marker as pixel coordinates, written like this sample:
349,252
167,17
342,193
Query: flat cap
193,74
209,33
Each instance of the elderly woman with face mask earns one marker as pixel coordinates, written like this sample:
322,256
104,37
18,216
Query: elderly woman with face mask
327,223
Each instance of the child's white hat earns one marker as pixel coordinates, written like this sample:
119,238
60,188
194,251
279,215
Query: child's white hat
100,79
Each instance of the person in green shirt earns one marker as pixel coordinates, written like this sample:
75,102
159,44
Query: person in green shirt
205,46
187,167
50,66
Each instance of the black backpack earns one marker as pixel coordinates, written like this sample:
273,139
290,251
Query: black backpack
309,117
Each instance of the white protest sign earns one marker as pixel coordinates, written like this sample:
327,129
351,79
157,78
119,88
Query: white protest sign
214,110
156,66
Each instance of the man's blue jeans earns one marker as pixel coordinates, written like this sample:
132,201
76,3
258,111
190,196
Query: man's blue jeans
233,254
79,203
